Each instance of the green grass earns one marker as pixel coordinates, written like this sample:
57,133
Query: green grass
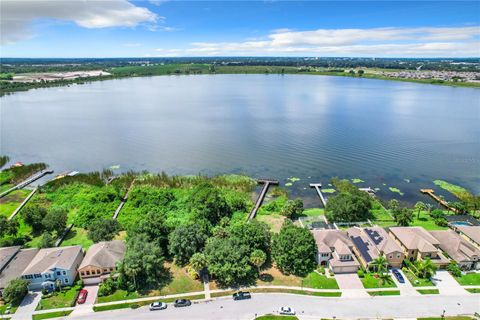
77,236
142,303
317,281
3,309
63,299
469,279
424,220
448,318
50,315
120,295
274,317
416,281
313,212
10,202
428,291
473,290
370,282
384,293
275,290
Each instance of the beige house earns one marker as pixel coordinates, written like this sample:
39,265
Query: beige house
101,260
470,233
373,242
335,251
418,244
460,250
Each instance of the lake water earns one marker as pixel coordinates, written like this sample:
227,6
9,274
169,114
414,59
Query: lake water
310,127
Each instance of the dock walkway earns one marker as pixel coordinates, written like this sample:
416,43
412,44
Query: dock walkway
444,203
120,206
266,184
24,202
317,187
26,182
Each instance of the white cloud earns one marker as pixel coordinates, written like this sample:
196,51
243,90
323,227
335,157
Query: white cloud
16,16
431,41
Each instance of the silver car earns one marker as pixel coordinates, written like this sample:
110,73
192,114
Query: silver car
287,311
158,306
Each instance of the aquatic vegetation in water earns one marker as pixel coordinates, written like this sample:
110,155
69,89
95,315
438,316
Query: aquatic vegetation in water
396,190
329,190
288,184
115,167
457,191
357,180
293,179
406,180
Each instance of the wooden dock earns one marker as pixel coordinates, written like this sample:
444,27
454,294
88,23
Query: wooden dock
26,182
317,187
24,202
266,184
120,206
444,203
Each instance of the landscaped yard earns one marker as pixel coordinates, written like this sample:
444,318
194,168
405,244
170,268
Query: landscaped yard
274,317
274,277
318,281
369,281
314,212
63,299
4,308
469,279
77,236
416,281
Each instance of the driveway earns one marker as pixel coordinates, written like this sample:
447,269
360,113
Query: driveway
351,285
27,306
406,289
87,307
447,284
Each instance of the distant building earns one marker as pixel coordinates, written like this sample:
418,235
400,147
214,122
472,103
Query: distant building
13,261
418,244
373,242
101,260
52,265
335,251
470,233
460,250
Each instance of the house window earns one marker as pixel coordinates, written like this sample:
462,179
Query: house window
99,271
37,275
82,273
28,276
64,273
398,255
105,270
390,256
111,269
66,280
88,273
47,276
58,273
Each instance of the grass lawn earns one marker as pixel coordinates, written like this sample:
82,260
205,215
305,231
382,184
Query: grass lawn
3,309
416,281
135,305
274,317
428,291
424,220
274,277
63,299
384,293
473,290
50,315
275,290
313,212
369,282
318,281
181,283
469,279
10,202
274,221
77,236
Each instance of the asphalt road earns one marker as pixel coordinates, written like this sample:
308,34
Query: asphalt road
307,307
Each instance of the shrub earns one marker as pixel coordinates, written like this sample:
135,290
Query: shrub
361,273
454,269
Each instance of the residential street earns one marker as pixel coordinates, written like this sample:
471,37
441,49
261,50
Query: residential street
307,308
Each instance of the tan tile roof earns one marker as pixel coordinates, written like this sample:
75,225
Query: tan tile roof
17,264
337,239
455,246
473,232
104,254
46,259
415,238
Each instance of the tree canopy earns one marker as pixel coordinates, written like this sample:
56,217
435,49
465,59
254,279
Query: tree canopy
15,291
185,241
349,205
103,230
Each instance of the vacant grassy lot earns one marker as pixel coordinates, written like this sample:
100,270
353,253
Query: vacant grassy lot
469,279
369,281
274,221
274,317
63,299
77,236
10,202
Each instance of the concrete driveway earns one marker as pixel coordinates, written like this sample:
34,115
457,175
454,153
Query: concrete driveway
87,307
447,284
406,289
351,285
27,306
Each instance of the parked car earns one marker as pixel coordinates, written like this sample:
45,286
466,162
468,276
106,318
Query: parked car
158,306
182,303
82,296
287,311
398,275
241,295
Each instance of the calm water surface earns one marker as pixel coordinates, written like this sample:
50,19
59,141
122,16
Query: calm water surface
310,127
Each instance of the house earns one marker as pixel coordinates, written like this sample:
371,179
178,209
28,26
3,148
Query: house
335,251
418,244
101,259
52,266
373,242
460,250
13,261
470,233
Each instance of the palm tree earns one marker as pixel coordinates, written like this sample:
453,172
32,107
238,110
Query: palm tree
420,206
380,264
426,268
258,258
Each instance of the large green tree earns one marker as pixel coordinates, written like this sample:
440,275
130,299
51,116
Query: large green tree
254,235
103,230
292,208
33,216
55,220
402,216
154,227
208,202
8,227
186,240
348,207
294,250
258,258
15,291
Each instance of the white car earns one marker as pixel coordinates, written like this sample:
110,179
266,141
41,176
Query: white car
287,310
158,306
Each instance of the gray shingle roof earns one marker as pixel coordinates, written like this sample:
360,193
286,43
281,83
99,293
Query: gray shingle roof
17,264
104,254
46,259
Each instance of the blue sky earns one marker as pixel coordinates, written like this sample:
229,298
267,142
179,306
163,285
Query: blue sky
121,28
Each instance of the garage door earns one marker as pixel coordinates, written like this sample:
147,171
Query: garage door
88,281
350,269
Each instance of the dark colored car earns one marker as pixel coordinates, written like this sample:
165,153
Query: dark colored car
398,275
241,295
82,296
182,303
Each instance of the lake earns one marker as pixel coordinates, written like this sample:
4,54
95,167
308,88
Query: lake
389,134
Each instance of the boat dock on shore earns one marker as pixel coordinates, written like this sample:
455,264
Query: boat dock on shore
266,184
